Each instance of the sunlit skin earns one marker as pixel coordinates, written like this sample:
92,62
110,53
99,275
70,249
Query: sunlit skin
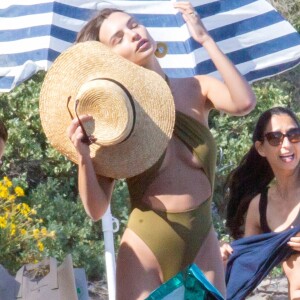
283,197
174,188
126,37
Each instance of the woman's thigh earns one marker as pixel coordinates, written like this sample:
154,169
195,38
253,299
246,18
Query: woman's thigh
138,272
210,262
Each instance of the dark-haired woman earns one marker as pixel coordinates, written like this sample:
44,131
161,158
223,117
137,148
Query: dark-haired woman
174,206
264,190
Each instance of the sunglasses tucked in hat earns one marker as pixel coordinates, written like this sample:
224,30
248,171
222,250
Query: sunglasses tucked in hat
132,108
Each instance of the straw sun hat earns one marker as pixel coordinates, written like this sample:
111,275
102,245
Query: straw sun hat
132,108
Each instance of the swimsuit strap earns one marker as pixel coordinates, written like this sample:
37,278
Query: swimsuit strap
197,138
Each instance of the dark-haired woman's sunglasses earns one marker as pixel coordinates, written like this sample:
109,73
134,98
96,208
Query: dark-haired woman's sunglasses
276,138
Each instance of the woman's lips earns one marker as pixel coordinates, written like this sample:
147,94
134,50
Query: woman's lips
287,157
142,45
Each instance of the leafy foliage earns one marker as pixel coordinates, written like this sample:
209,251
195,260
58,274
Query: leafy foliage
290,11
22,232
50,180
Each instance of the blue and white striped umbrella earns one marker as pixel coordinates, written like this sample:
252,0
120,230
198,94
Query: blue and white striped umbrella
259,41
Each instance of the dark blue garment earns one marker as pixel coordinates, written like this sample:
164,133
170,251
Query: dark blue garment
253,258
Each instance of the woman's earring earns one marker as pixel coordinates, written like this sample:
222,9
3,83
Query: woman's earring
161,49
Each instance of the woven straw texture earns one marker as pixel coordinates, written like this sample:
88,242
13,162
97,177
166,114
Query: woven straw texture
70,76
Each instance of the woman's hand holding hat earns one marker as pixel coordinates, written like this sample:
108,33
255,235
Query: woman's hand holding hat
76,135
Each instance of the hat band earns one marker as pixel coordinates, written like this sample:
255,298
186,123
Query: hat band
130,100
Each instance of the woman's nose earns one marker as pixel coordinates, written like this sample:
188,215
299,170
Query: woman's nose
133,35
285,142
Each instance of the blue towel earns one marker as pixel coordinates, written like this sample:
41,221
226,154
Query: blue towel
253,258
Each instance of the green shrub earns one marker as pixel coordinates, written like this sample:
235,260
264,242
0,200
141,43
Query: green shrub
22,231
50,180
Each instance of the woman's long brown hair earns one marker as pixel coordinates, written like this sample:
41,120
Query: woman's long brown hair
251,177
90,32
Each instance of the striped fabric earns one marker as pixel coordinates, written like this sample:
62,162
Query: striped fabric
251,32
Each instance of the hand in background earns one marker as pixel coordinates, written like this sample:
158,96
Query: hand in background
294,242
76,135
226,251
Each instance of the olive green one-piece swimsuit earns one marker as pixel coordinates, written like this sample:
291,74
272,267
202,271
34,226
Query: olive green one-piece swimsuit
175,238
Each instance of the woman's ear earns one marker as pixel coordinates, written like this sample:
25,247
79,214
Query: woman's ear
259,146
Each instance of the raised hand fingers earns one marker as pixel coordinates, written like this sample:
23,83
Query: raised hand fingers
187,10
184,7
226,251
192,19
294,242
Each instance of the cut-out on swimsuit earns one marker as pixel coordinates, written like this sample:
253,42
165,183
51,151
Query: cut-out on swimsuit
263,203
175,238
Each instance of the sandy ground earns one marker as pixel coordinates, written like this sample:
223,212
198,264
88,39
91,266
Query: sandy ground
98,290
269,289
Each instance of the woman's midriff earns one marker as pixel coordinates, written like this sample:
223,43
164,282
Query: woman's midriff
178,190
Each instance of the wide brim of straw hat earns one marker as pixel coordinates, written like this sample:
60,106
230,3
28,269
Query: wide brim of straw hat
152,101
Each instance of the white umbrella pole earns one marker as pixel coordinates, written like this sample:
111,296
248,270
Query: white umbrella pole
108,224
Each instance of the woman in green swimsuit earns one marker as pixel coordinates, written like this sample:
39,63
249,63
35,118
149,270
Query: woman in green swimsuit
170,224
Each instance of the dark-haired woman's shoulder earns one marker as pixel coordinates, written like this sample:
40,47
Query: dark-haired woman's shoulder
252,223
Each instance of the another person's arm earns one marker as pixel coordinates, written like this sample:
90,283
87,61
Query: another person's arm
252,227
291,268
95,191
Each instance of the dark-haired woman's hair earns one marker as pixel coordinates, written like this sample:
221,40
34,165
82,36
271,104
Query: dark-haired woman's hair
90,32
3,132
251,177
